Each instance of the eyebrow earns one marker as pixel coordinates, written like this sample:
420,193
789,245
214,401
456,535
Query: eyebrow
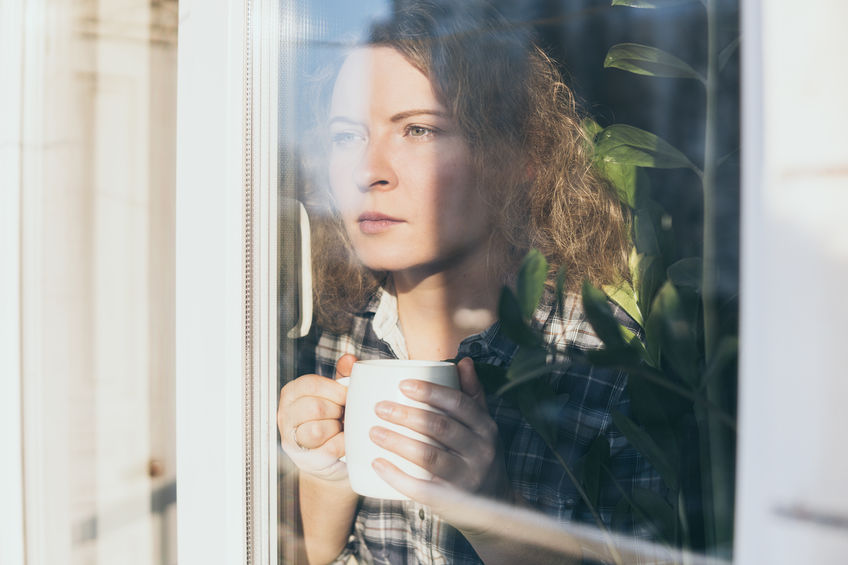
343,119
400,116
409,113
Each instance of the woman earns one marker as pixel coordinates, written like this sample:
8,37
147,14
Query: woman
454,148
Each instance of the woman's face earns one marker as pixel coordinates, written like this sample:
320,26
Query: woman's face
400,170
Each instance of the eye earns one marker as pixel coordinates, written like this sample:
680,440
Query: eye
419,131
346,138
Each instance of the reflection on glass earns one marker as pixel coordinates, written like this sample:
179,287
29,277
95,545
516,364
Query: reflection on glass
462,208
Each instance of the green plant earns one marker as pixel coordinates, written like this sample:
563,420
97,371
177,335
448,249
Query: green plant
682,373
684,376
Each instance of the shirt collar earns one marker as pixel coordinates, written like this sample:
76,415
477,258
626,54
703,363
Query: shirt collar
489,343
386,323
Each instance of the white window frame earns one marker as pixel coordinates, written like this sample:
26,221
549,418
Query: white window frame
213,368
226,281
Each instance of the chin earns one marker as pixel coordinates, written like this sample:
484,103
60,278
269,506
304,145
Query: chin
391,260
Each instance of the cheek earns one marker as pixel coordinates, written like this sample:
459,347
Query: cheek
455,184
341,184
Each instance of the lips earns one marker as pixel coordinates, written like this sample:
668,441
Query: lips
371,223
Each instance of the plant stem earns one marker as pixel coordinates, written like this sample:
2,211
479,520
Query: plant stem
716,468
710,269
616,556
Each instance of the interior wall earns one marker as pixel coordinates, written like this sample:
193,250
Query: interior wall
97,146
793,497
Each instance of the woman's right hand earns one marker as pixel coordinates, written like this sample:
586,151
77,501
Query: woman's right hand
310,417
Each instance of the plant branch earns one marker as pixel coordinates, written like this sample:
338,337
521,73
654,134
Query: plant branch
709,272
659,379
607,537
667,544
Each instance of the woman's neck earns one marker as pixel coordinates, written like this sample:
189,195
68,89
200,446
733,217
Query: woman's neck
438,309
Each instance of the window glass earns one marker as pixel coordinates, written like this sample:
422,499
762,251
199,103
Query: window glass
533,208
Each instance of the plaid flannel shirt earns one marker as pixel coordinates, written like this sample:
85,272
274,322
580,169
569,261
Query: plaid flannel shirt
393,532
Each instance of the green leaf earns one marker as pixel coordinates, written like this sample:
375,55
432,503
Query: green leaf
591,128
655,222
531,282
621,514
683,519
727,53
624,295
623,357
600,315
671,323
491,377
650,277
646,405
512,322
649,3
645,233
647,275
725,354
628,145
650,61
597,456
526,360
621,346
635,344
528,376
657,509
560,283
645,445
686,272
622,178
537,413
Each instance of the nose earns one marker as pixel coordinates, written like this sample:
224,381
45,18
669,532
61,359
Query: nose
375,170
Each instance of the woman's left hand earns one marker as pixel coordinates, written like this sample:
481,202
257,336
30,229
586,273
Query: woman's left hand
467,455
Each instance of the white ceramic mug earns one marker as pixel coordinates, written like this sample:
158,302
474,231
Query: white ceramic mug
372,382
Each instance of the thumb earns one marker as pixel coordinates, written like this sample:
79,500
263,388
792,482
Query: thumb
468,381
344,365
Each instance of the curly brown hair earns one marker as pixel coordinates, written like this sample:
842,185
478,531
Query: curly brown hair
531,156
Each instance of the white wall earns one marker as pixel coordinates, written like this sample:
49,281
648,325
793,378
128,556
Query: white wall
11,471
95,158
793,492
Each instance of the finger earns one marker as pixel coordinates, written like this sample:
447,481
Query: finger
313,385
455,403
459,508
335,446
309,408
469,383
430,493
438,427
322,461
344,365
432,458
315,433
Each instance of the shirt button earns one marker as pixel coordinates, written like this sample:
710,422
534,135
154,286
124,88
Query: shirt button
476,348
570,502
421,513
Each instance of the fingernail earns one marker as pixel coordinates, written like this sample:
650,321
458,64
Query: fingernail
378,434
378,465
383,409
409,386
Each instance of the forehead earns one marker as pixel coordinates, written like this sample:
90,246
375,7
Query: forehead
376,81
